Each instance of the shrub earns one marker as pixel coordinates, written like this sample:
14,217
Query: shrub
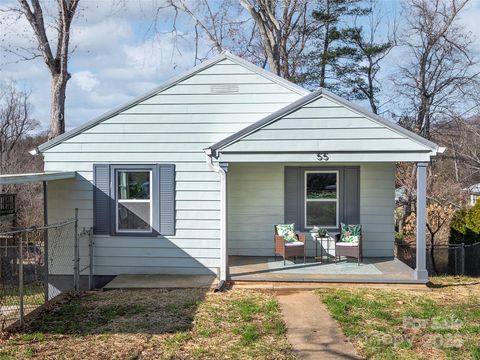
399,239
465,227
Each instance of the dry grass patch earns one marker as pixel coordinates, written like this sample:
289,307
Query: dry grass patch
156,324
399,324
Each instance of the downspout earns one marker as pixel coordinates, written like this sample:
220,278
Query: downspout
223,218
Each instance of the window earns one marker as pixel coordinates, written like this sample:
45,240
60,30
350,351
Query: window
321,199
133,200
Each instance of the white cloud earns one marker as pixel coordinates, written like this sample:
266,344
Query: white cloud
115,57
85,80
469,19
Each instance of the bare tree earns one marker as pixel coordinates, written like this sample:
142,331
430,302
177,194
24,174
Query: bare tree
215,22
462,137
55,52
439,218
441,69
17,137
264,31
15,122
284,31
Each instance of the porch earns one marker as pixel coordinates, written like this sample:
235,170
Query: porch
371,270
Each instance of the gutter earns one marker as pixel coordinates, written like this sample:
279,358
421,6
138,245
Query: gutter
223,216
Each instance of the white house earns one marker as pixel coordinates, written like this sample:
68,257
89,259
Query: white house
474,194
203,166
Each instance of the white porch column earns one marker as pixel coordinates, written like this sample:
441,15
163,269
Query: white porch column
222,170
421,269
223,222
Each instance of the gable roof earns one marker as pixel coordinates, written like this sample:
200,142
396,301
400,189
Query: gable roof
308,99
168,84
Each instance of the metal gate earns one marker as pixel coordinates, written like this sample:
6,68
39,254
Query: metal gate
39,263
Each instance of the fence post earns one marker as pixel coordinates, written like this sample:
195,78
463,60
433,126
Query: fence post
76,264
45,239
462,259
20,277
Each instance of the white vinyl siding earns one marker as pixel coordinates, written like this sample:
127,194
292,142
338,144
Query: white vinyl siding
256,203
172,127
329,127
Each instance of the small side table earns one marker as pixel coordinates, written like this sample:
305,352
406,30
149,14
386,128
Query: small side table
315,238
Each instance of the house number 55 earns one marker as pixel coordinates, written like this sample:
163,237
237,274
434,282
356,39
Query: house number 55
322,157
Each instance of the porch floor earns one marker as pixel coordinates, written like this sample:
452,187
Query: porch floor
371,270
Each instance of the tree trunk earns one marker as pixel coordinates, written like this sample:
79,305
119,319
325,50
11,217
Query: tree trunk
57,120
371,90
432,258
323,62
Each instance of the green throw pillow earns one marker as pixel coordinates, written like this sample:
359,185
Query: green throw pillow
351,239
287,231
350,233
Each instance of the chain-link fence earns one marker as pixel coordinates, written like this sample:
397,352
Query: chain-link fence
451,259
39,263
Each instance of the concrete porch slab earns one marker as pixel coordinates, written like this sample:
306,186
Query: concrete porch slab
387,271
125,281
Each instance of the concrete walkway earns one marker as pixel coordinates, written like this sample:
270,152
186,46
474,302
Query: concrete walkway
310,328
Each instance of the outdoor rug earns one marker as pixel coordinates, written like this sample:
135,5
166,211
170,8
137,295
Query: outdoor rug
342,267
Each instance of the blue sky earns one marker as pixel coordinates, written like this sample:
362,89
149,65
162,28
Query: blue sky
117,56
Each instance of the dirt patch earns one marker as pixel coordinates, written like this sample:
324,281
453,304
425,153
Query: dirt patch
148,324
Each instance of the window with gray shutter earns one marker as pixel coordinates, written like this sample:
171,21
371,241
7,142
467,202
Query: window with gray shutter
134,199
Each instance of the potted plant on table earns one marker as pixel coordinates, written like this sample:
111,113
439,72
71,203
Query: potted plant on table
322,233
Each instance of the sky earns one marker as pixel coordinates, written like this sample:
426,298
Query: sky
117,55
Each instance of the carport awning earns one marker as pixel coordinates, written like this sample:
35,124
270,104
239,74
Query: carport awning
10,179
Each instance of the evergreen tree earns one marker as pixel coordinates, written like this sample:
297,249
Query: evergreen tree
358,70
330,47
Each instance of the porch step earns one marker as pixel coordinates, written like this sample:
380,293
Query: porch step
277,285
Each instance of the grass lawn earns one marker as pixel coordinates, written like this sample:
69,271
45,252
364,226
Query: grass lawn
398,324
156,324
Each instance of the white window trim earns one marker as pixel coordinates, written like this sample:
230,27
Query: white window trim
336,172
118,200
473,199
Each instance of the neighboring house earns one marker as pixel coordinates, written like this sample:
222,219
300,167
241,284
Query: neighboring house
8,210
474,194
203,167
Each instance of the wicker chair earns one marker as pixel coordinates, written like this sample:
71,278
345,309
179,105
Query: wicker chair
348,249
288,249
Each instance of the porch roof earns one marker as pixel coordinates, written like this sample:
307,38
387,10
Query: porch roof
324,123
10,179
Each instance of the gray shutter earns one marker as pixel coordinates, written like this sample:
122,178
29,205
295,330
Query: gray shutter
101,199
351,196
166,176
292,200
